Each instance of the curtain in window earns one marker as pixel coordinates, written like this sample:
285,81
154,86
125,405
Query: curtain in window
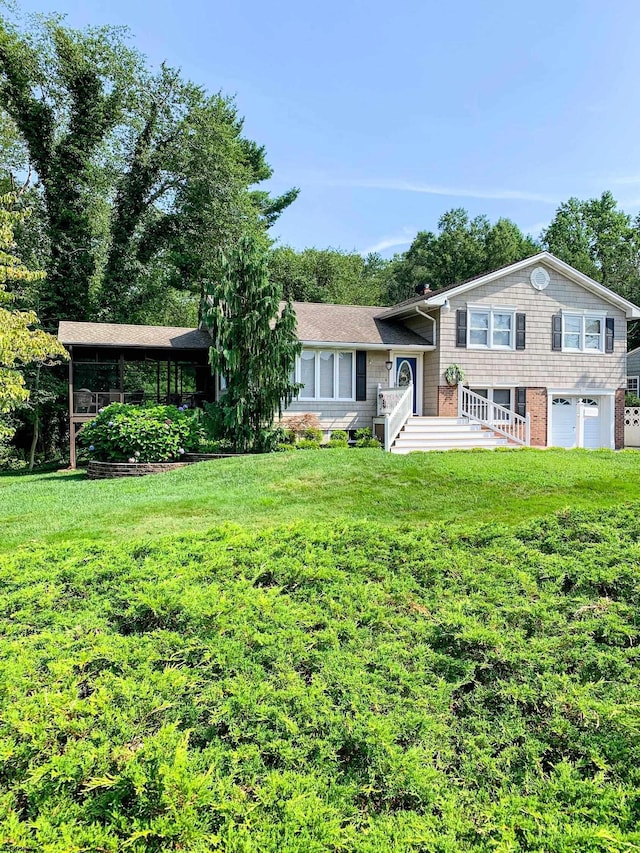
326,374
308,374
345,375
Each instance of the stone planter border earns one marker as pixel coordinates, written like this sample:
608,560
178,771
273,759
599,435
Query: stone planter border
111,470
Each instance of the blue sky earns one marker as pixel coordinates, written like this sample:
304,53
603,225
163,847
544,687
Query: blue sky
387,114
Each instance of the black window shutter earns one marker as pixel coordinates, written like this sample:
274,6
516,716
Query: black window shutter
521,330
521,402
361,375
608,341
461,327
556,332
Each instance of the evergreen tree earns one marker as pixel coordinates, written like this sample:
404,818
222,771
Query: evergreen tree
255,345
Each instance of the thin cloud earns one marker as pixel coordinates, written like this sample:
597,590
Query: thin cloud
403,239
534,230
436,189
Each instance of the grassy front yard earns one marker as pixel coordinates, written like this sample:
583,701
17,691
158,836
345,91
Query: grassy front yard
463,487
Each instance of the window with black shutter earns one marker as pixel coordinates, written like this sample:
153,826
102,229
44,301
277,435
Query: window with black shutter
521,402
521,330
556,333
361,375
609,334
461,327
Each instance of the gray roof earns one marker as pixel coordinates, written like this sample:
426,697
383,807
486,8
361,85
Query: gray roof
351,324
123,335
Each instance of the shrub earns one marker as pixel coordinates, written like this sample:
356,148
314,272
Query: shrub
308,444
284,447
122,432
312,434
336,444
365,438
339,435
631,399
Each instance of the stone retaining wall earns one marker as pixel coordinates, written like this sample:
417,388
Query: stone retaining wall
109,470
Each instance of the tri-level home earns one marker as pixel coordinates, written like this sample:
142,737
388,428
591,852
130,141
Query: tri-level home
533,353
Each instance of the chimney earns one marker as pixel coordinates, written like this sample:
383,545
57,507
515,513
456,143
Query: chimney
422,289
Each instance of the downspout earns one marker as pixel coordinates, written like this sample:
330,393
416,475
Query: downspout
428,317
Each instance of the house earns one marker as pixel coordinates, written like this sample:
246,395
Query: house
541,347
633,371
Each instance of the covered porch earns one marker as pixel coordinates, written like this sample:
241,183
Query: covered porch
118,363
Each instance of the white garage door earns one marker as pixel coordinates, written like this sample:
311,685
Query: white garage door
591,426
563,422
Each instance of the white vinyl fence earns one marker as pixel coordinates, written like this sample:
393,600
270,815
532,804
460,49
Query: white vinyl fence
632,426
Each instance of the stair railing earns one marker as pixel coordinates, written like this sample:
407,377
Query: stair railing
396,406
498,418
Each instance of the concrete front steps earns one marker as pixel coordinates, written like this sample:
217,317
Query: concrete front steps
428,433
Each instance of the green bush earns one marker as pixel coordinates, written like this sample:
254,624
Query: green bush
307,444
312,434
336,444
365,438
349,687
285,447
339,435
631,399
126,433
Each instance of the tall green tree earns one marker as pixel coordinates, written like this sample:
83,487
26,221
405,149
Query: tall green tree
140,173
462,248
600,240
255,345
328,275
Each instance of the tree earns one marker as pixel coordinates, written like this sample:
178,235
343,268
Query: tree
328,275
461,249
20,342
255,345
600,240
139,172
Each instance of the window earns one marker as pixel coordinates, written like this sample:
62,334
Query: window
491,328
498,396
632,384
326,375
582,333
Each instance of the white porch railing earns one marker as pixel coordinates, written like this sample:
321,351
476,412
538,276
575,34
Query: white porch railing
498,418
396,406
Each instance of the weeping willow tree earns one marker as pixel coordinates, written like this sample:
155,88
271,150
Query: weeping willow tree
21,342
255,345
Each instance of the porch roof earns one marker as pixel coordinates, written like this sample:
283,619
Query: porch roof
123,335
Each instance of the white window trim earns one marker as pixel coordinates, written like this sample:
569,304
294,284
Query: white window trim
637,381
336,376
512,397
491,310
584,316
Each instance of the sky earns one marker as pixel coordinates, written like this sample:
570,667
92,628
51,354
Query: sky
387,114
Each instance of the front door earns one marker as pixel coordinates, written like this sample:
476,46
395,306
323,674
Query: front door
406,370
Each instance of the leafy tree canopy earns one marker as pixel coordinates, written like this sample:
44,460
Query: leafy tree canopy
140,173
462,248
20,342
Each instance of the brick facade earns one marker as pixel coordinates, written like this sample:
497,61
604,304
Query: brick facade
447,401
537,411
619,418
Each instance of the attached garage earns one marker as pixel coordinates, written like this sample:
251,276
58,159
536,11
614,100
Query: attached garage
581,421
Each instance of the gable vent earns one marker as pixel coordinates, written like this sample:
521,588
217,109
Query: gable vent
539,278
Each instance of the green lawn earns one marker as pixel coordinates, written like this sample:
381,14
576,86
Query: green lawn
317,486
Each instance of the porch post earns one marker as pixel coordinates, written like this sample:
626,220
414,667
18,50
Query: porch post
459,399
72,425
527,429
